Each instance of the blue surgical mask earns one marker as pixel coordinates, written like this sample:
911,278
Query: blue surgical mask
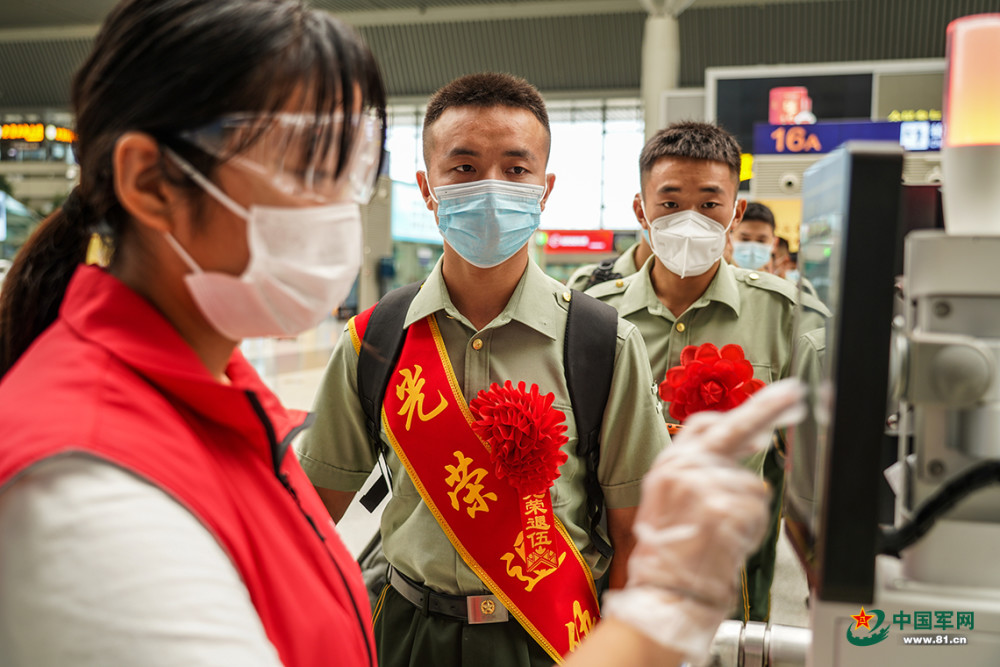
751,254
486,222
793,275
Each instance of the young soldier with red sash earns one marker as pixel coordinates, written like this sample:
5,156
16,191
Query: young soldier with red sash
490,564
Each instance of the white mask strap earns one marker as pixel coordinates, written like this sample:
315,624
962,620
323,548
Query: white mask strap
733,218
429,188
209,187
188,259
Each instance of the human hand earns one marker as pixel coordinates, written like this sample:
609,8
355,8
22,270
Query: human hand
700,515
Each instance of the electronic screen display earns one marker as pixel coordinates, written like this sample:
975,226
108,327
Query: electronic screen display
850,224
741,102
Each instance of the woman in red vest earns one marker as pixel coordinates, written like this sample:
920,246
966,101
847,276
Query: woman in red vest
151,509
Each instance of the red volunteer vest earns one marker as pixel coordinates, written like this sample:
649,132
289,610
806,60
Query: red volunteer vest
113,379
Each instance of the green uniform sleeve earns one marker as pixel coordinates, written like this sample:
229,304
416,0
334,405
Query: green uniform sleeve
335,452
633,431
800,489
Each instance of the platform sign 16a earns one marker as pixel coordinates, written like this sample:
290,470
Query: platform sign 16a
824,137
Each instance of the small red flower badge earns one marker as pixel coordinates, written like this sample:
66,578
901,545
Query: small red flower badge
708,379
525,434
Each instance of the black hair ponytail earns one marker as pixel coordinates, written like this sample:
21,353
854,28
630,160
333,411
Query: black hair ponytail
33,289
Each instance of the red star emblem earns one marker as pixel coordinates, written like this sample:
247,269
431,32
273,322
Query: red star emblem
862,619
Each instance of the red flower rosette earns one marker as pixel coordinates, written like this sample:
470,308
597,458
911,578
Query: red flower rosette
525,435
708,379
524,432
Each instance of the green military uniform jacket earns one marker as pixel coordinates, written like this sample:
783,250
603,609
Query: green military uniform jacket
524,342
624,266
754,310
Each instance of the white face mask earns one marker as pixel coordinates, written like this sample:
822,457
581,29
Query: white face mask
687,242
303,262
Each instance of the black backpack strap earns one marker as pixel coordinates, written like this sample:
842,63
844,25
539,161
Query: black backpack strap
379,353
604,272
589,363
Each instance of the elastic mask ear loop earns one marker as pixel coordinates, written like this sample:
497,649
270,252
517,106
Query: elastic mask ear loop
207,185
430,190
732,219
647,230
188,259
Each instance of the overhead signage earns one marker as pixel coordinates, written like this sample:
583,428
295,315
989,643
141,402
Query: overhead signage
36,132
582,241
917,135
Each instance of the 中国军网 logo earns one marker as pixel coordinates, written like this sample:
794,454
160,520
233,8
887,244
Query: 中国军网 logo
871,628
868,629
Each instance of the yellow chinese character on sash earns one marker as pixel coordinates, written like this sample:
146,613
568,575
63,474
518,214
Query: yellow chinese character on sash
535,505
580,626
412,388
540,563
460,478
539,522
539,538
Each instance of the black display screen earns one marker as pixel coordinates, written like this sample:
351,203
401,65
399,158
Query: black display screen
850,224
739,103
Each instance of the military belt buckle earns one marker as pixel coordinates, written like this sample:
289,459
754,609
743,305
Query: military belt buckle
485,609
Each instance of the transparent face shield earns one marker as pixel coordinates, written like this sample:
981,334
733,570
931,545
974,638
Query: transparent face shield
298,153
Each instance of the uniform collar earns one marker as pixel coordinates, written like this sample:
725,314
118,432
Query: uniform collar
722,289
639,293
625,264
530,304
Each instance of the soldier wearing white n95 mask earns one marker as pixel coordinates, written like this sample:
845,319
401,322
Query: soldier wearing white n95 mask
687,294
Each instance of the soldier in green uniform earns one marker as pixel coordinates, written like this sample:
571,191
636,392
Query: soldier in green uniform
486,142
686,294
752,242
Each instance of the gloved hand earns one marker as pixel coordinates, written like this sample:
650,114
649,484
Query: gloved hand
700,516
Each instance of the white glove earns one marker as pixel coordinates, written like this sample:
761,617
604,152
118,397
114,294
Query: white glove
700,516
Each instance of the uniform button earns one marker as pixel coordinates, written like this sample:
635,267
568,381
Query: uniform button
619,283
567,296
681,327
477,344
753,276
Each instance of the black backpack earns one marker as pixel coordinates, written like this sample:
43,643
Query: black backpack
588,361
603,272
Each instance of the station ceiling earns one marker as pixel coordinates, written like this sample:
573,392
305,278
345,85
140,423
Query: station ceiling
562,46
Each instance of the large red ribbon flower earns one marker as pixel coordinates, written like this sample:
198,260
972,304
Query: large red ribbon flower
708,379
524,432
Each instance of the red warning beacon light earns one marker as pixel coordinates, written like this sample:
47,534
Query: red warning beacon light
971,150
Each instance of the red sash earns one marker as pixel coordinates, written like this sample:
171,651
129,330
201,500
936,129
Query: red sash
534,568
